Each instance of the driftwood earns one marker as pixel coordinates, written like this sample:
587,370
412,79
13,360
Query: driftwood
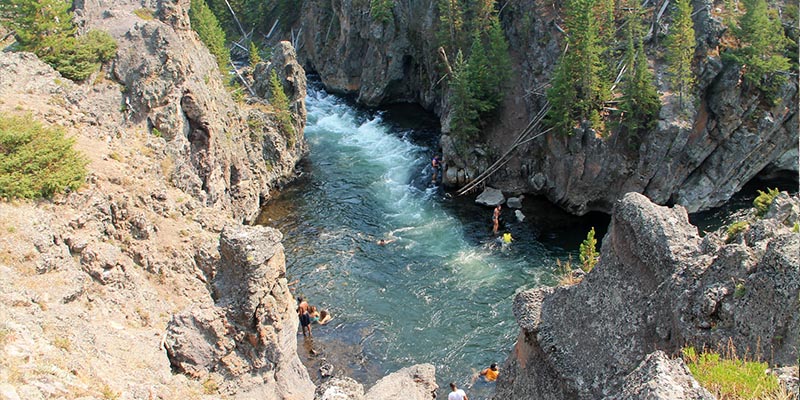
235,18
241,78
273,28
443,59
530,132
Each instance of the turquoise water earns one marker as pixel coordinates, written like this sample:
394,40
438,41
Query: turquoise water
441,291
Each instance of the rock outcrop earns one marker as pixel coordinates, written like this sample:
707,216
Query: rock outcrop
697,157
414,383
224,154
249,336
659,286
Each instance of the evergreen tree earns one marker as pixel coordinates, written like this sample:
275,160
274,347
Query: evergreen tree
680,49
280,102
639,102
480,77
588,252
451,25
579,89
37,24
762,44
45,28
255,57
463,124
205,23
498,54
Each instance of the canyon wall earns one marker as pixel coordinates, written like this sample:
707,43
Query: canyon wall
659,286
697,157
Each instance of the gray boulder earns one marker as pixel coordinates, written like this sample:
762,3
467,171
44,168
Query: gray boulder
490,197
515,202
339,388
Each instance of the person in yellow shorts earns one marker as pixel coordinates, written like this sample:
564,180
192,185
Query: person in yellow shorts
490,374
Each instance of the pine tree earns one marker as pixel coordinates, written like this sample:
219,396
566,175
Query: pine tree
205,23
680,49
579,89
463,124
588,252
280,102
255,56
640,102
451,25
762,43
38,24
501,60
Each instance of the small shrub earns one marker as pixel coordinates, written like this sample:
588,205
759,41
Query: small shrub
109,393
255,56
36,161
732,377
735,229
564,273
156,132
589,255
62,343
115,156
381,10
77,58
740,290
210,386
764,200
796,227
144,13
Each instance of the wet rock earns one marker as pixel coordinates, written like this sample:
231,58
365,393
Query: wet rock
520,216
515,202
490,197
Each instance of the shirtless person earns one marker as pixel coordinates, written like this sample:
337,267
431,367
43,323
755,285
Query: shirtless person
305,316
496,219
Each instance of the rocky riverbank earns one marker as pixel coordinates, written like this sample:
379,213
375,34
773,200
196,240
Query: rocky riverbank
658,287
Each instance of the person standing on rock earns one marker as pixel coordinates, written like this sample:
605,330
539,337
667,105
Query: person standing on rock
456,394
496,219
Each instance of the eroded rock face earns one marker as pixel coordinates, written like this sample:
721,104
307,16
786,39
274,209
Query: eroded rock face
249,334
658,286
413,383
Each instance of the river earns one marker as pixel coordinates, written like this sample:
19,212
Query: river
441,290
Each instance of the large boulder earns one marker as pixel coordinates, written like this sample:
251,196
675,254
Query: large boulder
658,286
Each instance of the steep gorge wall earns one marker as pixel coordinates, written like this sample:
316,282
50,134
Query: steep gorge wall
697,159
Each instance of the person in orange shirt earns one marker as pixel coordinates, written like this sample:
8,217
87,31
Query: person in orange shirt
491,373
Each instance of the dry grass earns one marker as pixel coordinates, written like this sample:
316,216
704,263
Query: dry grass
564,273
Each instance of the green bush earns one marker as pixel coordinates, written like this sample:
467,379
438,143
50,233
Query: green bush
77,58
732,378
764,200
36,161
735,229
588,252
381,10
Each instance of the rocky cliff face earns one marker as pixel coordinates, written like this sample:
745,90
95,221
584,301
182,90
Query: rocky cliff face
249,335
659,286
224,154
697,158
